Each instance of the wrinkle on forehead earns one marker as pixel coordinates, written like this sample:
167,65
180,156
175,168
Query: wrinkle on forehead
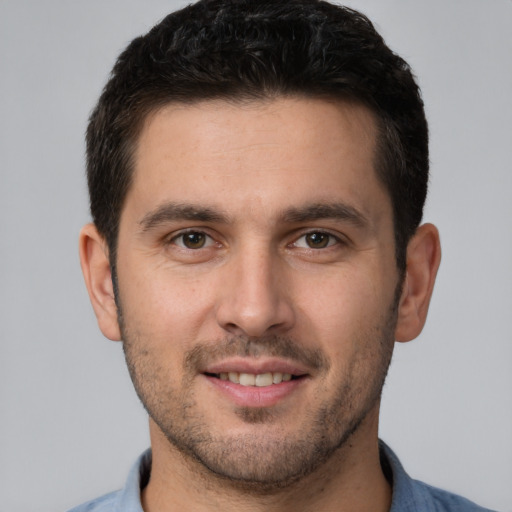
258,150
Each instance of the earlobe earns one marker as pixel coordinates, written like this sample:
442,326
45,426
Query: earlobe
98,279
423,258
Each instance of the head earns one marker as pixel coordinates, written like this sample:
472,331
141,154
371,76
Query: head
257,173
247,50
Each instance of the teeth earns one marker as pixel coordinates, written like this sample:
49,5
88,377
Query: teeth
260,380
247,379
277,377
234,377
263,379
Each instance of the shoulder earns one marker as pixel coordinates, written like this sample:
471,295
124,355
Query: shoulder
126,499
444,501
412,495
106,503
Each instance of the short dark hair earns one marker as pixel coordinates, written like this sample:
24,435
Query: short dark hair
259,49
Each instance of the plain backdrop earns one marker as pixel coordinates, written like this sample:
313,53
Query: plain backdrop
71,425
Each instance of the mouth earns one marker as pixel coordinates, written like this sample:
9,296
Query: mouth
256,383
259,380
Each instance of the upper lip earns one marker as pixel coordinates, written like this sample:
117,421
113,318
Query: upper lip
256,366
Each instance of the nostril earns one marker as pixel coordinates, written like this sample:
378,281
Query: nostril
253,314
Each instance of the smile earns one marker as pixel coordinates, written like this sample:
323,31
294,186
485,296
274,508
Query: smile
258,380
265,389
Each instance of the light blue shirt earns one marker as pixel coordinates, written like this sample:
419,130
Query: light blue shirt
408,495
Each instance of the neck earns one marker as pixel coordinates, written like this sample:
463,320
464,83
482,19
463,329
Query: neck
351,480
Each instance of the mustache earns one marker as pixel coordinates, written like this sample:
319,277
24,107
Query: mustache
205,354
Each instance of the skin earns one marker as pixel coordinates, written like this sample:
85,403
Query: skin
292,265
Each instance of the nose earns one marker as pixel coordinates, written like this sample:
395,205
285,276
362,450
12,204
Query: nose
255,300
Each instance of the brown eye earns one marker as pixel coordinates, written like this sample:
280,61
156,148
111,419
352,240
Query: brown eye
192,240
318,240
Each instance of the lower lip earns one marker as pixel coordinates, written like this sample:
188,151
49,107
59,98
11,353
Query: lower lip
254,396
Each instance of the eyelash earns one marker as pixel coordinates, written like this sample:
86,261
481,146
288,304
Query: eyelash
209,241
332,239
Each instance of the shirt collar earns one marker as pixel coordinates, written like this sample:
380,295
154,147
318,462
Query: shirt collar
406,495
129,498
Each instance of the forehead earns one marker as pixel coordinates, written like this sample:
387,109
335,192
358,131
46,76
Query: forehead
257,155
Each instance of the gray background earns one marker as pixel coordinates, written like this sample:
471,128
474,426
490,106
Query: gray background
71,425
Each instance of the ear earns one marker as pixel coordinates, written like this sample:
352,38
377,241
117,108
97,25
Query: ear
98,279
423,258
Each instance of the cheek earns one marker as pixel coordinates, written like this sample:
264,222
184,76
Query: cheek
163,308
343,302
350,319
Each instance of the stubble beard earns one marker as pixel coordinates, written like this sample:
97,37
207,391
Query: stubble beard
257,462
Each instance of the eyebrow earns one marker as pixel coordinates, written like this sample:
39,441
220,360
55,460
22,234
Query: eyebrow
319,211
171,211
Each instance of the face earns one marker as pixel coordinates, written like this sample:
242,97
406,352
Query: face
257,282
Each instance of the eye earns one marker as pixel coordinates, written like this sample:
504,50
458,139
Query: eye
316,240
192,240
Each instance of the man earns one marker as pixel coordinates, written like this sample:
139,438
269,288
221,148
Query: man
257,174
